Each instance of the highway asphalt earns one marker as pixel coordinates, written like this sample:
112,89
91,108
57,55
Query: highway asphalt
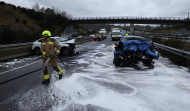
94,84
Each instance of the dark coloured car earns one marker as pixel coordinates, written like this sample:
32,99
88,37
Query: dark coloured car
99,37
134,49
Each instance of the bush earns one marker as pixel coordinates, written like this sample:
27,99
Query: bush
9,36
14,7
17,20
156,39
24,21
165,42
2,3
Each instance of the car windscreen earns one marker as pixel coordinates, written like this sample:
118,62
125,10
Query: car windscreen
116,33
62,39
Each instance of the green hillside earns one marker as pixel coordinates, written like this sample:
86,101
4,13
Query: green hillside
18,24
10,16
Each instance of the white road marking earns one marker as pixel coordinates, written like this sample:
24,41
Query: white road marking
19,67
179,79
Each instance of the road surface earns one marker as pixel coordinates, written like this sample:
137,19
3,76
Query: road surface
94,84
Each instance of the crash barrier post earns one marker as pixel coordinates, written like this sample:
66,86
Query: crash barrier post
188,64
10,51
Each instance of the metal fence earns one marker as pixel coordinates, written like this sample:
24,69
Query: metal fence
181,53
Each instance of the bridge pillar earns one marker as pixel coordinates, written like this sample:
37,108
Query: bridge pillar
132,29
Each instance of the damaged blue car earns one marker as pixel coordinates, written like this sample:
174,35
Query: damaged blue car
131,50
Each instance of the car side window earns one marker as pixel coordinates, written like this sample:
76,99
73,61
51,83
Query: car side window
40,40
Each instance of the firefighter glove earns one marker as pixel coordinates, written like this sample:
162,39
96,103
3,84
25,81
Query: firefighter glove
57,52
44,55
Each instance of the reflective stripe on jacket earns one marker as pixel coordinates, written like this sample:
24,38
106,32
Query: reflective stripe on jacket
49,46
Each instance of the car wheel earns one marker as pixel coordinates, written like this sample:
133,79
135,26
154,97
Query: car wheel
65,51
71,52
151,66
117,61
37,51
147,61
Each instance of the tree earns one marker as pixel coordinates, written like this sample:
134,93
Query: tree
36,7
2,3
49,11
42,10
24,21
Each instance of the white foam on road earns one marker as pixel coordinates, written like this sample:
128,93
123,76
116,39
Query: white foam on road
123,89
95,86
179,75
86,92
17,61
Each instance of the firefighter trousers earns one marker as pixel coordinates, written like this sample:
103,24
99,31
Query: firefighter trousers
54,63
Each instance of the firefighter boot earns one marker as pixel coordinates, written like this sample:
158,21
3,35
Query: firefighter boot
60,76
59,71
46,81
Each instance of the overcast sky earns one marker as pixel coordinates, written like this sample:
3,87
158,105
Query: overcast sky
110,8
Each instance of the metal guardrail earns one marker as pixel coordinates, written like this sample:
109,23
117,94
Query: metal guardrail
15,45
181,53
10,51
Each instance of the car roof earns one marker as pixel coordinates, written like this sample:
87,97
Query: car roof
133,37
116,31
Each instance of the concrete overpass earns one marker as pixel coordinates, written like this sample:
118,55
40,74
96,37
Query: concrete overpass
130,20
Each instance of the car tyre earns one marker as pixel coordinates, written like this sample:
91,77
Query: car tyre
65,51
150,66
117,61
37,51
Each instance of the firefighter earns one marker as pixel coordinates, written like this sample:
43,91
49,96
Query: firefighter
126,34
48,47
98,36
103,35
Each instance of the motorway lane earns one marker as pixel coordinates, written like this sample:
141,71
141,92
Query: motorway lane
12,91
96,84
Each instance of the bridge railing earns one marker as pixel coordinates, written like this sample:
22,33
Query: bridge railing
128,17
